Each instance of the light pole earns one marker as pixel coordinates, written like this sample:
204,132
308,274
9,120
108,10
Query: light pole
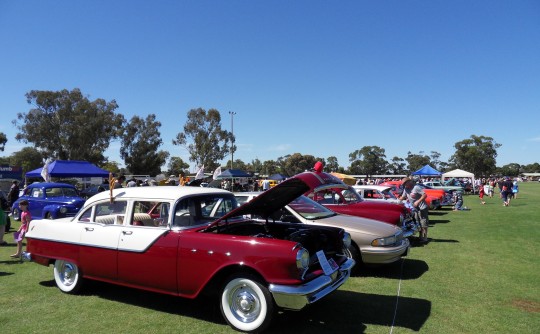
232,113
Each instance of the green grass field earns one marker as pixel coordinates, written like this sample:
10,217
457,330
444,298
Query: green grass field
479,274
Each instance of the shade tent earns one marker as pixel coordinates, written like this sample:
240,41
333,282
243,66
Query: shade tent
70,168
428,171
277,177
232,174
458,173
347,179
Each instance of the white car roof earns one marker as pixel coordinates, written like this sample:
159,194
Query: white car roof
156,192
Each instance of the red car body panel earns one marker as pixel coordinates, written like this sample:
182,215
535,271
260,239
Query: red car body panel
386,212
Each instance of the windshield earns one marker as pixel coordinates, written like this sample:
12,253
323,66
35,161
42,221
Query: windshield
310,209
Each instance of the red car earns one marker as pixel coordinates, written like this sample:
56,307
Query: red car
186,240
435,197
331,192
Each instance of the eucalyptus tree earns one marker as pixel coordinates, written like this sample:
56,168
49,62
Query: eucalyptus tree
476,154
417,161
28,158
67,125
204,139
3,141
140,142
177,166
369,160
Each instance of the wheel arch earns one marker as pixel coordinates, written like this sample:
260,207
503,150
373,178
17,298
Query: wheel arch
213,286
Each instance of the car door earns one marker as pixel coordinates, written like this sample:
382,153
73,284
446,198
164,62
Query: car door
147,254
36,202
98,254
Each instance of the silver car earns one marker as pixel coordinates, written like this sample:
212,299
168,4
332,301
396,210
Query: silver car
373,242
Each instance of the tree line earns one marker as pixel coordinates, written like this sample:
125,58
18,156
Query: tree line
67,125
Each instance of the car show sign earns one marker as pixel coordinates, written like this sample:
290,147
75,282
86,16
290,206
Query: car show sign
11,172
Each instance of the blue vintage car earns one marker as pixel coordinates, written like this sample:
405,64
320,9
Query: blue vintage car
50,201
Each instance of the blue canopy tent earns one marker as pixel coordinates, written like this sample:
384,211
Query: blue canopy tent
427,170
233,174
71,168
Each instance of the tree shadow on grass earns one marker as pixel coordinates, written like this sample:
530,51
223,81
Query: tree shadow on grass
342,311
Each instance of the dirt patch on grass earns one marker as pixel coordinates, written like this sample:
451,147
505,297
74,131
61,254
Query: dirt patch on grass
526,305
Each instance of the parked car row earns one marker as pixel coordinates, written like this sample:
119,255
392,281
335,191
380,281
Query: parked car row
258,252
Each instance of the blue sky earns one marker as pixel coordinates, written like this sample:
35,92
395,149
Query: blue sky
314,77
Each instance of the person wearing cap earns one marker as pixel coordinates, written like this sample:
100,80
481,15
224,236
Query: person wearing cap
417,198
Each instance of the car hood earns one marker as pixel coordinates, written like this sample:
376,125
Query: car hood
271,200
375,228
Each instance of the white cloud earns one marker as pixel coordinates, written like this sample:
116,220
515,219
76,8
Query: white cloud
534,139
280,148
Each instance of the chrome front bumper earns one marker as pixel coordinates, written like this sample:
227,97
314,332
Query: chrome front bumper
297,296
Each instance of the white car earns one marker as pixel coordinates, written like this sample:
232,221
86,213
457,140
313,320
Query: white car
373,242
377,193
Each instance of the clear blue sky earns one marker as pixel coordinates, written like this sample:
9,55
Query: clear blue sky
315,77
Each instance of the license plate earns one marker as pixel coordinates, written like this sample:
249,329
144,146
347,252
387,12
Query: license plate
328,266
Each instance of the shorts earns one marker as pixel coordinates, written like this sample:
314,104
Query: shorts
422,217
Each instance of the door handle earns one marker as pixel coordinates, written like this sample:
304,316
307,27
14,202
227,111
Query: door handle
89,229
127,232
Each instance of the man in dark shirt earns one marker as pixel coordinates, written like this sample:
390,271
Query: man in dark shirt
13,194
506,191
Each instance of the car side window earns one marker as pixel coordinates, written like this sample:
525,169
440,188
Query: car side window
36,193
86,216
111,213
152,214
185,213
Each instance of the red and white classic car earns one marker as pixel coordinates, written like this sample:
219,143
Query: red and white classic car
186,240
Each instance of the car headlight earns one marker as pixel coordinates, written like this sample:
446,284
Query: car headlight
302,259
63,209
381,242
346,240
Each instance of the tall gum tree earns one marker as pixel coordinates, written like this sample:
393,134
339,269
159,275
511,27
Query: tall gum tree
66,125
204,139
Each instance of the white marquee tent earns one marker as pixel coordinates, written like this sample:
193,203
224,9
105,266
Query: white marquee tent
458,173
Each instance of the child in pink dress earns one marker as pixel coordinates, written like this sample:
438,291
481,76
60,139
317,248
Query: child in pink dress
25,221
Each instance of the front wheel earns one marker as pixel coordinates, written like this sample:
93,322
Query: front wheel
16,214
353,253
246,304
67,276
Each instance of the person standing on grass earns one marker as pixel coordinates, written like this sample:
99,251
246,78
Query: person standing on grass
417,198
515,189
3,223
506,191
481,192
26,217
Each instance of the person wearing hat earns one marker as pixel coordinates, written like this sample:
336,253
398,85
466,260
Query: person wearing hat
417,198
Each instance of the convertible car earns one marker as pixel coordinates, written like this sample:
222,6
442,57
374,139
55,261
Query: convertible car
185,241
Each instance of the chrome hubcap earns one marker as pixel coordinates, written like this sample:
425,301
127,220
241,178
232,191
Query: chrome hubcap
245,305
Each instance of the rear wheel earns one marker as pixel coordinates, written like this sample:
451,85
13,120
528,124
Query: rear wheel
48,215
246,304
67,276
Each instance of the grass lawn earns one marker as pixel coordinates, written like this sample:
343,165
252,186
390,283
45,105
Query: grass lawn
479,274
